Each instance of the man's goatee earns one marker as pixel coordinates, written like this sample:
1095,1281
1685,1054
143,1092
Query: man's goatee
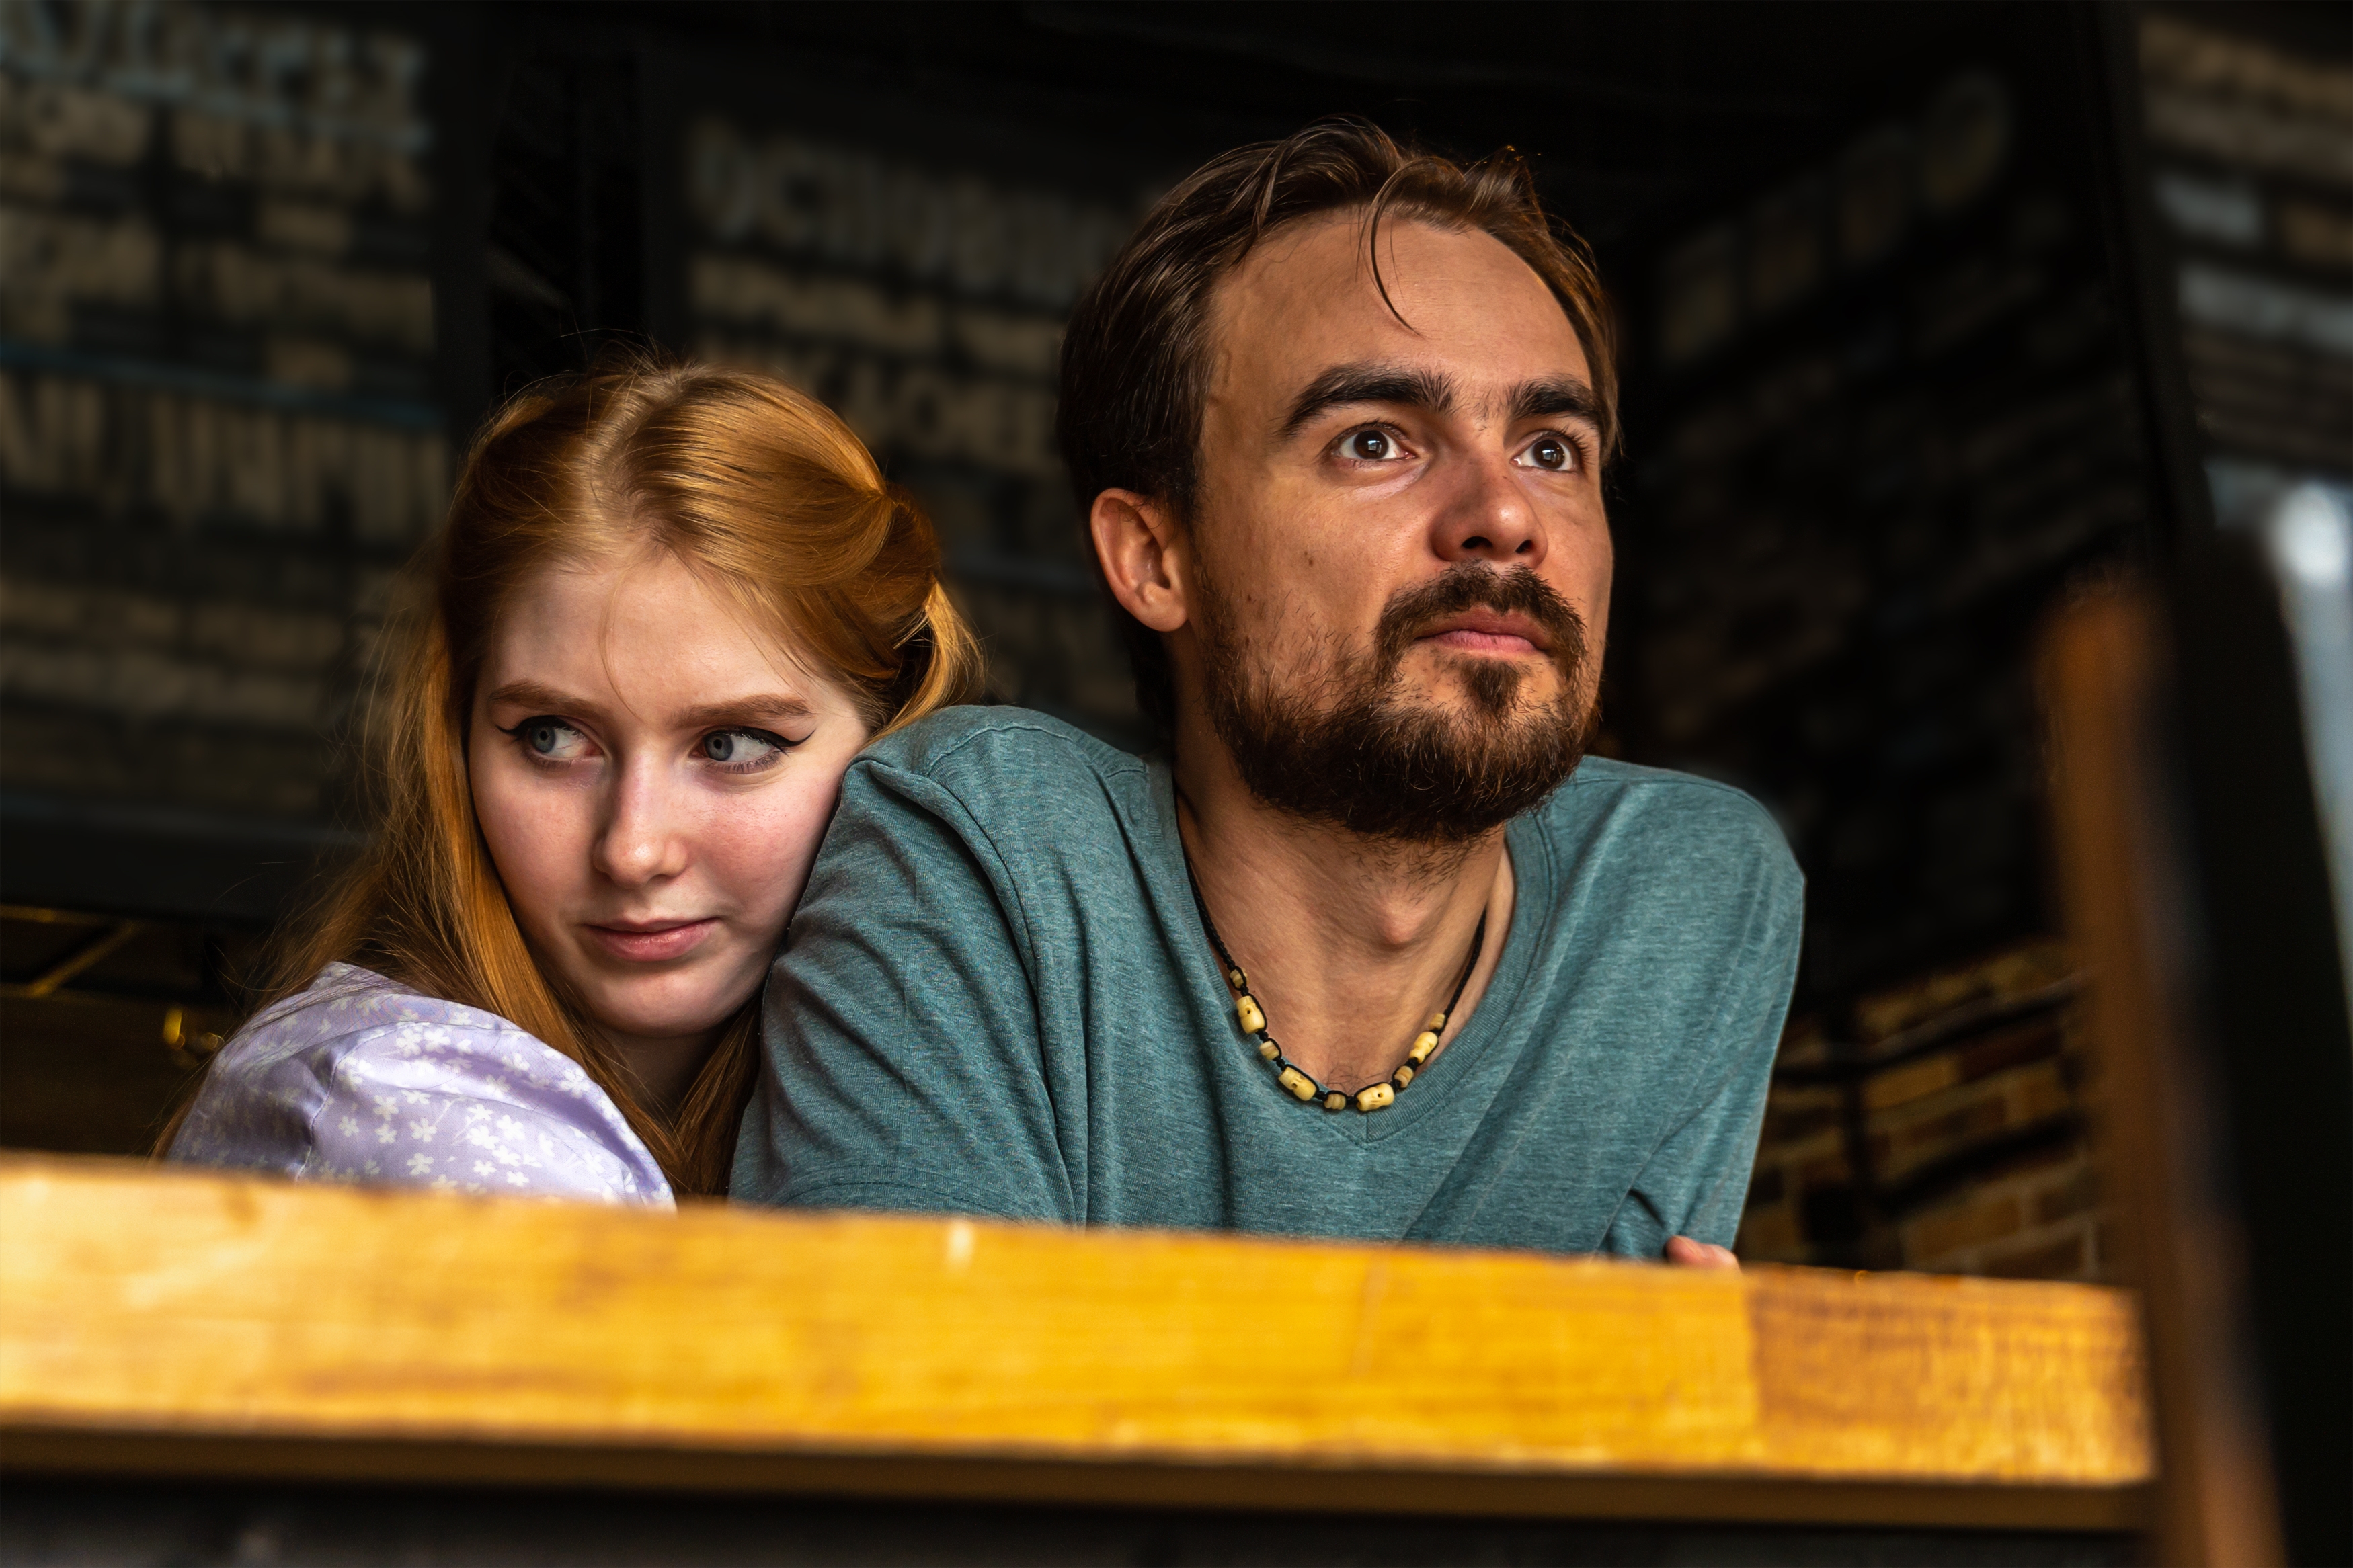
1340,745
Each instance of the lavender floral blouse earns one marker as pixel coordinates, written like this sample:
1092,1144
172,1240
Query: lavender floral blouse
361,1079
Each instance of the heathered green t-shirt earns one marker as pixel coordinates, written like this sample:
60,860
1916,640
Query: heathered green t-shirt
995,998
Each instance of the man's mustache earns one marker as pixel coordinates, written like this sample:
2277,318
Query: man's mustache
1472,585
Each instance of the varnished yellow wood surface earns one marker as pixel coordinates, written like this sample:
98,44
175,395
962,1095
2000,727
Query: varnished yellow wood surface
190,1321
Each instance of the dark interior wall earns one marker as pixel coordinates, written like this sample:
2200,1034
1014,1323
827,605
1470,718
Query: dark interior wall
1883,417
523,206
1645,126
550,202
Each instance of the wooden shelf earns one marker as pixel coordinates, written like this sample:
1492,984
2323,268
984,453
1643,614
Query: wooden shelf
162,1321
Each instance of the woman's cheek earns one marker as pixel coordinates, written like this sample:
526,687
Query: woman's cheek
766,854
532,839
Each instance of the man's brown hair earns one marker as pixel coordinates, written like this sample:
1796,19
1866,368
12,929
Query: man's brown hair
1135,356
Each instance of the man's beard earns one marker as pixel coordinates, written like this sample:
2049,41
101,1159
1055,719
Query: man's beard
1343,744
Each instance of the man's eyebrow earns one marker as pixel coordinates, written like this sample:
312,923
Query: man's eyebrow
1348,383
1555,396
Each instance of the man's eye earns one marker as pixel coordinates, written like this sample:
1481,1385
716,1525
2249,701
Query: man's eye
1371,446
743,749
1549,452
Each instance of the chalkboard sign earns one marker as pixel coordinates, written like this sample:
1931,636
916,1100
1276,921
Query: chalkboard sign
221,423
2251,163
913,267
1880,414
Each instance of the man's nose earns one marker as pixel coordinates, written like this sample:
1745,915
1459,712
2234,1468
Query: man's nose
1488,514
644,837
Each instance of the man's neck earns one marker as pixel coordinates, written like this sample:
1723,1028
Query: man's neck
1350,944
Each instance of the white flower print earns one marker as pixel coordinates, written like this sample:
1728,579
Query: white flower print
293,1093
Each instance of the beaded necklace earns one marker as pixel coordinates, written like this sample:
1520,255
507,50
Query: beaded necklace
1380,1096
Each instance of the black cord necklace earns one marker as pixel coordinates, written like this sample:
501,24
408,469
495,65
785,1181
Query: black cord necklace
1380,1096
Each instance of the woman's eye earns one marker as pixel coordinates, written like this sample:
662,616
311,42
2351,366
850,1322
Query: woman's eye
552,739
1549,452
743,749
1370,445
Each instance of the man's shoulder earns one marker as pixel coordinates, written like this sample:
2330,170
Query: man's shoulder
1007,764
1644,813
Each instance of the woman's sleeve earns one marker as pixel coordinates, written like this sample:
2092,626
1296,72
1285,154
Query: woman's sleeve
450,1107
331,1093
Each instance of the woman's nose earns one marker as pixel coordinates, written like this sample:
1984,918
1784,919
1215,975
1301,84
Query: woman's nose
644,837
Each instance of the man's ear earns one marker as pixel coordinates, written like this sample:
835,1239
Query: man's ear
1136,540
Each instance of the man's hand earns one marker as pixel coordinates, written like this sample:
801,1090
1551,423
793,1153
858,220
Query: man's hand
1686,1253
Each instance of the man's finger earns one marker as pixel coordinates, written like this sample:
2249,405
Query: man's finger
1685,1253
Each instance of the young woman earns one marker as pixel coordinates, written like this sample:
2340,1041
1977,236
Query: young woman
670,605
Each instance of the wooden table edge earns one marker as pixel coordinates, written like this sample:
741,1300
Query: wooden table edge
30,1450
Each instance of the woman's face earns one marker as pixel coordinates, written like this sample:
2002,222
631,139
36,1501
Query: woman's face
652,778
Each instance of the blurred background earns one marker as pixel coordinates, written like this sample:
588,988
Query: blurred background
1932,317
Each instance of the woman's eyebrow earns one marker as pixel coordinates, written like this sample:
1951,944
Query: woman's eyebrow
546,698
772,706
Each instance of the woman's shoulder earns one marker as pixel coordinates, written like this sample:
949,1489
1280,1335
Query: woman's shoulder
358,1077
344,1000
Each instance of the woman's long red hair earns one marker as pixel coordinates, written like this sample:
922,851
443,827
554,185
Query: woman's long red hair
763,492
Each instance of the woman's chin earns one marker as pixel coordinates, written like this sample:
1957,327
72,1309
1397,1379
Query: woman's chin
663,1007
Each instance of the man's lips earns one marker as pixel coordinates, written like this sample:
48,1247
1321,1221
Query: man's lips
1489,631
651,942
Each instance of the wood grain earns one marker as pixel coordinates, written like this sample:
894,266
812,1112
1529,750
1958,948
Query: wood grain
2121,878
181,1321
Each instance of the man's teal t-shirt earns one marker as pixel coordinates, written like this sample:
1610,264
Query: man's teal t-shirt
995,998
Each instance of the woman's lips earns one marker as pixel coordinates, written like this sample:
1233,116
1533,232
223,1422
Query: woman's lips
651,943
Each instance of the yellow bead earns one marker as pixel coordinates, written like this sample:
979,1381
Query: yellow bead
1247,1011
1437,1022
1423,1044
1380,1097
1402,1076
1237,979
1335,1101
1268,1049
1298,1083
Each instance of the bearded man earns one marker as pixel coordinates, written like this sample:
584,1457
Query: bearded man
1370,948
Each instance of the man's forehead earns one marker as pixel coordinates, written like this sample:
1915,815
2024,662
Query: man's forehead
1460,303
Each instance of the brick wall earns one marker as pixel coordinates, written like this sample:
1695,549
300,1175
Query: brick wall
1941,1124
